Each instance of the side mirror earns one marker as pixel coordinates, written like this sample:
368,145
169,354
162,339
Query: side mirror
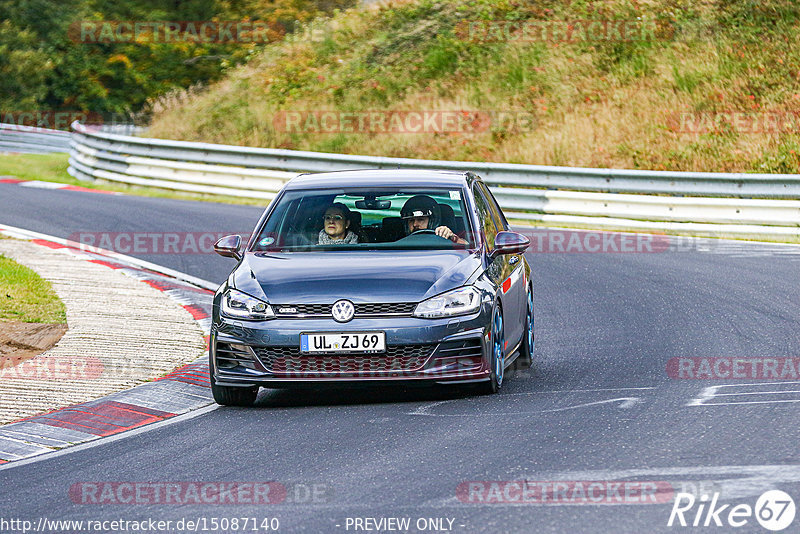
509,243
228,246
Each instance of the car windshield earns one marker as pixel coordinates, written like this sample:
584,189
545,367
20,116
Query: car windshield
342,219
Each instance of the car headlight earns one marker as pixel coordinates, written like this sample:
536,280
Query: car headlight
461,301
237,305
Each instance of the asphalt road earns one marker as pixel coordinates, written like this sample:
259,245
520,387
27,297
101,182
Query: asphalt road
599,404
102,219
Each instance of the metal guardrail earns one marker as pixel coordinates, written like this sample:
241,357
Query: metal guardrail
36,140
31,140
729,203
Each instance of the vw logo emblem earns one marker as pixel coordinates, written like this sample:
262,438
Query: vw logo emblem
343,311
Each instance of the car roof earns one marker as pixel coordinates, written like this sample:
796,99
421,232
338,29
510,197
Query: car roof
381,177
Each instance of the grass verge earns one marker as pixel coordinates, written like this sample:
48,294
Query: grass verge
26,297
53,168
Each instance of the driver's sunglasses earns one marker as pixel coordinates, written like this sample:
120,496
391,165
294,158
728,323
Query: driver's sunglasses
334,218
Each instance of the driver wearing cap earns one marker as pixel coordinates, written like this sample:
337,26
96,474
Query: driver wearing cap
421,212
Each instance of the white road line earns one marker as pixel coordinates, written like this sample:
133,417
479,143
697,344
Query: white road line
42,185
744,402
577,391
758,384
711,392
627,402
705,394
423,410
110,439
757,393
13,231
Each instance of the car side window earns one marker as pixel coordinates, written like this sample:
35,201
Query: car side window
494,207
487,225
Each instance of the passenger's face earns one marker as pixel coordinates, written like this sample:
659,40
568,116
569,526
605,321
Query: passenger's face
335,223
417,223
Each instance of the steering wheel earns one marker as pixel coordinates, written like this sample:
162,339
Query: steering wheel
426,232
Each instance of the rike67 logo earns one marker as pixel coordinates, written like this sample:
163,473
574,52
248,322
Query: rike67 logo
774,510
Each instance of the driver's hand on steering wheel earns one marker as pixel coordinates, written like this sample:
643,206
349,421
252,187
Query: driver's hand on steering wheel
447,233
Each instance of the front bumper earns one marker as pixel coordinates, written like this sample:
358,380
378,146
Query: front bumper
445,351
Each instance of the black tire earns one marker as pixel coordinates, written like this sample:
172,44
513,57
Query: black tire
232,396
495,381
525,358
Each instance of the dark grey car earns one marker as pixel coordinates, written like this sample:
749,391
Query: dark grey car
408,276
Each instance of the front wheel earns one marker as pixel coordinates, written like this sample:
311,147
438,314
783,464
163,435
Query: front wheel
497,361
232,396
525,358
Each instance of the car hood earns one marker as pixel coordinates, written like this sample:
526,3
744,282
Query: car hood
323,278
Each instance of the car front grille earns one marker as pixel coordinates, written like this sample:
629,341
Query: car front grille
396,359
385,308
362,309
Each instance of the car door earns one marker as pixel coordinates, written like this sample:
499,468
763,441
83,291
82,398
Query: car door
516,275
500,269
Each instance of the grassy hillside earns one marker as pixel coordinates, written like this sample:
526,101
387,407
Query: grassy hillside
603,102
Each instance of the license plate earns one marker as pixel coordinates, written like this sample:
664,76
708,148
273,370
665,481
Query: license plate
333,342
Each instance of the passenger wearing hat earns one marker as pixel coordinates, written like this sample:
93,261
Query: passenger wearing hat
421,212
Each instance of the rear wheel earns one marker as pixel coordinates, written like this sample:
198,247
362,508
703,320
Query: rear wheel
232,396
497,361
525,358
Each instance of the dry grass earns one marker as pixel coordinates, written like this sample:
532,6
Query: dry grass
53,168
595,104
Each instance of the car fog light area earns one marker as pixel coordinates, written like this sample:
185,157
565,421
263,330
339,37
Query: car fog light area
230,355
461,301
238,305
